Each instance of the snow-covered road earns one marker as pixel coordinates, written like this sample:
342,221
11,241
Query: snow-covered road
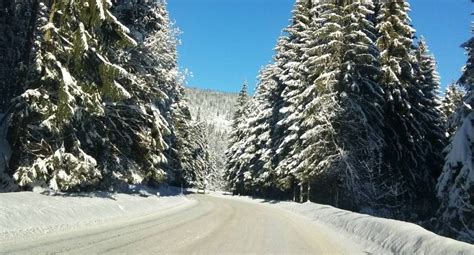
98,223
213,225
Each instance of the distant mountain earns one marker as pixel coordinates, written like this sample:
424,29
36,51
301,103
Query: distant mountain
215,109
212,106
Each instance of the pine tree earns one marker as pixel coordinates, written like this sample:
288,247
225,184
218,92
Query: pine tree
146,124
455,187
404,153
17,34
194,157
253,171
193,163
162,45
155,59
361,135
453,99
53,123
263,134
342,117
235,150
293,79
427,112
182,145
241,107
17,51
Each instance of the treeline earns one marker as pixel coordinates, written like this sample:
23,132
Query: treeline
348,114
214,110
94,97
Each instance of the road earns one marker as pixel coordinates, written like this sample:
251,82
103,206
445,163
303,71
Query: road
211,226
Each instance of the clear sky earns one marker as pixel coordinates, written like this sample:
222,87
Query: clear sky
224,42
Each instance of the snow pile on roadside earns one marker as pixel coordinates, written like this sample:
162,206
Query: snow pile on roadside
377,235
24,214
381,235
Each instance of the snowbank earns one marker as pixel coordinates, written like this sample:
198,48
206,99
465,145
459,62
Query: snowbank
379,236
24,214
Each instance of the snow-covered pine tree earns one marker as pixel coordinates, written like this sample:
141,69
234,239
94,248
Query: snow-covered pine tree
140,120
7,52
361,133
342,117
263,134
452,100
156,59
208,175
192,163
235,150
17,34
455,187
146,22
57,123
253,173
159,37
17,51
404,154
241,109
318,101
173,106
195,160
180,142
427,112
293,79
164,45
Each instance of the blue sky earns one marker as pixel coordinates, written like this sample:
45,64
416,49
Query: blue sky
224,42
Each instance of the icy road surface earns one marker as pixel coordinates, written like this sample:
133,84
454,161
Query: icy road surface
213,225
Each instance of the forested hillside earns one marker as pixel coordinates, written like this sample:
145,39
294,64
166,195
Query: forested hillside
93,97
214,110
349,114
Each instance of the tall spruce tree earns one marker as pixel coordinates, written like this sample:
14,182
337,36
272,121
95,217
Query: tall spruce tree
183,143
155,58
361,135
173,105
455,187
235,150
342,117
241,107
429,113
58,123
20,24
404,154
293,79
255,173
195,162
144,20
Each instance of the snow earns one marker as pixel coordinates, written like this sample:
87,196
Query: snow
100,7
376,235
24,214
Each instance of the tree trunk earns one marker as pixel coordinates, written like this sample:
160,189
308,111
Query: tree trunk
309,192
301,192
294,192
